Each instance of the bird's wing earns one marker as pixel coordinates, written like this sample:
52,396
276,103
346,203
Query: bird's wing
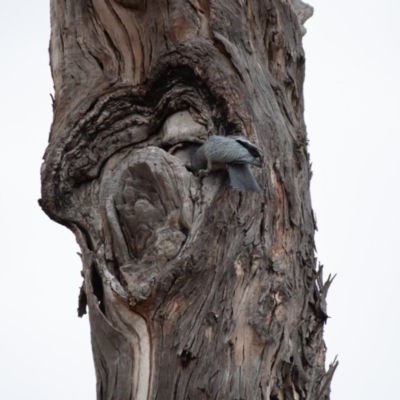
250,147
225,149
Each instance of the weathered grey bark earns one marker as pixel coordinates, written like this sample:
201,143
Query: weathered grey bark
194,291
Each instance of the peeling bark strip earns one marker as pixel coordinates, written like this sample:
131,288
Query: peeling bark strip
194,291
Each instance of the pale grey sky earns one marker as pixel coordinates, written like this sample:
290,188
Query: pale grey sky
351,97
352,113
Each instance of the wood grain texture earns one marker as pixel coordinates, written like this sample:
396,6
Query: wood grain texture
194,291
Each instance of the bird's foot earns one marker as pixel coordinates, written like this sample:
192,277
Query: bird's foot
203,173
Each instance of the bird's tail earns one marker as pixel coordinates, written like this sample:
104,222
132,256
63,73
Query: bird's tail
242,179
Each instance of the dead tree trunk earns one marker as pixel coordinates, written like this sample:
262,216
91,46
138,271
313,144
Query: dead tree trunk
194,291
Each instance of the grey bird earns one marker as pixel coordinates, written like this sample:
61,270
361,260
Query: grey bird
233,153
